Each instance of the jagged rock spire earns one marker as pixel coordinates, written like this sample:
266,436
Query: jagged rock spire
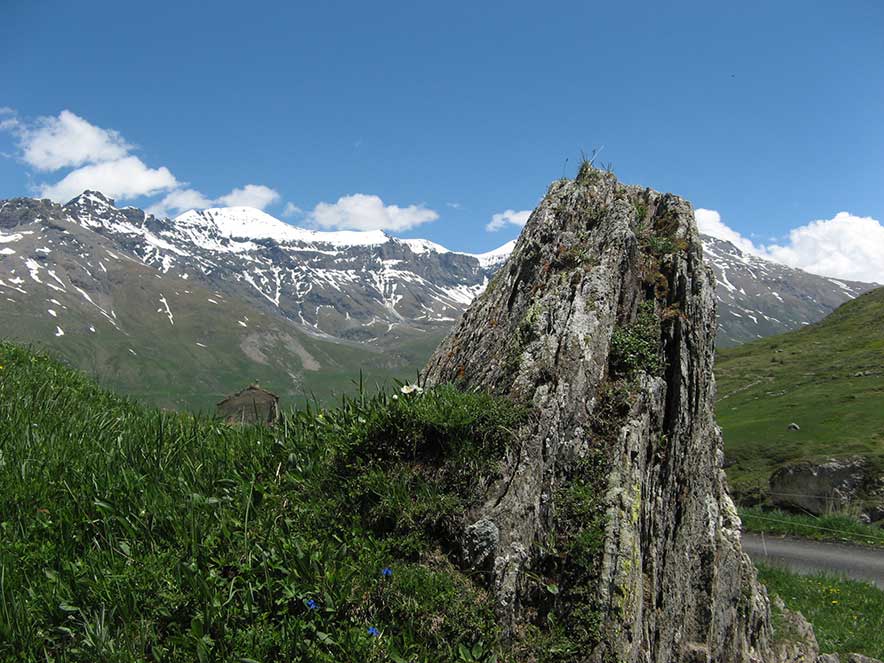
603,322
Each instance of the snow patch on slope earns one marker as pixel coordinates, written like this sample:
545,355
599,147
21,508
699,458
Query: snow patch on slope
254,224
495,256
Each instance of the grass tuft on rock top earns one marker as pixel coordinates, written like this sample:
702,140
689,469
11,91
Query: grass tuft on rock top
132,534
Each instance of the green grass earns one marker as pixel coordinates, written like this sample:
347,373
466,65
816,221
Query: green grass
827,377
846,614
824,528
132,534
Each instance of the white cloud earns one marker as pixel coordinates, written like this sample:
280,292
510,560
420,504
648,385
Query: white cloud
8,123
847,247
251,195
101,159
365,212
502,219
123,178
709,222
68,141
180,200
292,210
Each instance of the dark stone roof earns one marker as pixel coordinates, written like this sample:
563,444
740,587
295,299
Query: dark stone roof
252,405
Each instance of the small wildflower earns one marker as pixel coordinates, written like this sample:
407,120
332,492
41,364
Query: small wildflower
372,631
411,389
311,605
395,397
387,572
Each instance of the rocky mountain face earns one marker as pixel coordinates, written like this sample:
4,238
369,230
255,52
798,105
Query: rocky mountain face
758,298
382,302
99,287
602,322
362,285
349,285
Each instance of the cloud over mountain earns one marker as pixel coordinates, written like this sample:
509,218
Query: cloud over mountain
68,140
124,178
366,212
845,246
508,217
101,159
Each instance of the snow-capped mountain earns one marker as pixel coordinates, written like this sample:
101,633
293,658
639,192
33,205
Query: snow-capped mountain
227,292
171,341
348,285
758,297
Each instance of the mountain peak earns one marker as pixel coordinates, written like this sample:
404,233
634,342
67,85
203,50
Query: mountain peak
252,223
495,256
92,197
357,283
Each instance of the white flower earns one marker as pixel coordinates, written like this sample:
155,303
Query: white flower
411,389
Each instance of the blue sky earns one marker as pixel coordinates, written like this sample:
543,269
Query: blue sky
769,113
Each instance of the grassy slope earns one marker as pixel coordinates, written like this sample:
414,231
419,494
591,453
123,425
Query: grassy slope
169,370
133,534
808,377
846,615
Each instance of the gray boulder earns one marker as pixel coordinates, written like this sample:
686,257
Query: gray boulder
603,322
838,485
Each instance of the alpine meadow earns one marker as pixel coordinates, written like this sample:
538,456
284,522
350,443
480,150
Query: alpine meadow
441,333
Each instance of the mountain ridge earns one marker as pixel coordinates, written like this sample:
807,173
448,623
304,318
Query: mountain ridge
384,301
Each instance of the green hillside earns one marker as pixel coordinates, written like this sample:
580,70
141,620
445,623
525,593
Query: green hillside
133,534
827,377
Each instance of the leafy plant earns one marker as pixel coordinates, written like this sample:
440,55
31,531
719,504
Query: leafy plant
636,346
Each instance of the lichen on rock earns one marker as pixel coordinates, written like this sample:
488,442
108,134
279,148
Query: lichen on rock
614,538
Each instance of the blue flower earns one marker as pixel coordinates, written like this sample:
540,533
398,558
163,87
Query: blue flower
311,605
387,572
374,632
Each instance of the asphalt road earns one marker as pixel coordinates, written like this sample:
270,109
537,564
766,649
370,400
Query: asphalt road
804,556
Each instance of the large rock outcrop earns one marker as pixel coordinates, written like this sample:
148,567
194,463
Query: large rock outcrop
853,485
613,497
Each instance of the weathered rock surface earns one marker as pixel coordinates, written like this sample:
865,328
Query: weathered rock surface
797,642
846,485
603,321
